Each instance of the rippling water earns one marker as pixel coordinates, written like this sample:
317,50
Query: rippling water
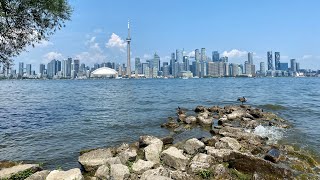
51,121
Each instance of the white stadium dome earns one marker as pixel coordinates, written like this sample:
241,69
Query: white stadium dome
104,72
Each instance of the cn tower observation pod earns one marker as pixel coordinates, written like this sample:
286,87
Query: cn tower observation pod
104,72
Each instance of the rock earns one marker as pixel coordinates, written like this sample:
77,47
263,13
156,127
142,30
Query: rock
232,143
256,113
182,117
238,114
222,120
205,122
191,120
122,147
179,175
210,141
220,155
40,175
152,151
204,114
140,166
128,155
102,172
119,172
167,140
193,146
147,140
200,109
250,164
221,172
215,109
214,131
273,155
160,171
201,161
174,158
72,174
170,125
113,160
155,177
6,173
95,158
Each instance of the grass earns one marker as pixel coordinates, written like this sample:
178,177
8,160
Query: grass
205,173
129,164
21,175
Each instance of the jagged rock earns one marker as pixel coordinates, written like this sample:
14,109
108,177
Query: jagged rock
102,172
113,160
119,172
204,121
273,155
193,146
128,155
155,177
221,172
74,174
147,140
167,140
95,158
179,175
222,121
174,158
204,114
238,114
220,155
40,175
122,147
170,125
160,171
214,131
250,164
6,173
210,141
249,123
153,150
214,109
201,161
232,143
227,124
191,120
140,166
200,109
256,113
182,117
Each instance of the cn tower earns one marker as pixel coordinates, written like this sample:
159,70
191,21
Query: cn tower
128,52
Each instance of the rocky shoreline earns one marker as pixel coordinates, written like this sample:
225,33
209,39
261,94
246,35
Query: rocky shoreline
233,151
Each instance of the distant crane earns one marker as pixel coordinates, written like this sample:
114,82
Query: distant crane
242,100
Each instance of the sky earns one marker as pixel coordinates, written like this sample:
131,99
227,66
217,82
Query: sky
97,31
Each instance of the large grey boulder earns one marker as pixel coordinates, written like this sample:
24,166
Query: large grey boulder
201,161
231,143
220,155
153,149
119,172
191,120
193,146
113,160
179,175
204,121
140,166
95,158
40,175
102,172
147,140
221,172
160,171
6,173
128,155
72,174
173,157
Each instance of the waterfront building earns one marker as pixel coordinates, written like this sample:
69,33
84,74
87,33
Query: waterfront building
66,68
283,66
224,59
197,55
42,68
144,67
253,70
221,69
247,68
103,72
137,66
179,55
293,65
128,52
262,68
156,61
297,66
270,61
165,69
28,69
203,70
277,60
226,69
172,64
186,63
21,66
203,54
176,69
234,69
215,56
250,58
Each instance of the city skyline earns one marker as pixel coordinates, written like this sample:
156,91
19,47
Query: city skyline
234,33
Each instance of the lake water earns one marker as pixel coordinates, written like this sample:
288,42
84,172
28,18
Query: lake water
51,121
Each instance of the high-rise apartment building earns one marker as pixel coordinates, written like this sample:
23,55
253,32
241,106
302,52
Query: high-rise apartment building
21,66
277,60
270,61
215,56
28,69
293,65
250,58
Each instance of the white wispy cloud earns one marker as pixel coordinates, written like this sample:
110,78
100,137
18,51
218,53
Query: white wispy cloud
52,55
116,42
43,44
91,57
92,44
235,53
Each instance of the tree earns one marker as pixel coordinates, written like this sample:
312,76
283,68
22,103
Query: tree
27,22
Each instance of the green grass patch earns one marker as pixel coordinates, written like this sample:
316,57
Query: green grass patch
205,173
21,175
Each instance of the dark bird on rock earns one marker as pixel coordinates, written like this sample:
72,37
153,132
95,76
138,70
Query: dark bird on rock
242,99
180,111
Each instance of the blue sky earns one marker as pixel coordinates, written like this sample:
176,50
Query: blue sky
97,30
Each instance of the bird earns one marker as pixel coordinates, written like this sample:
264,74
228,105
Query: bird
180,111
242,100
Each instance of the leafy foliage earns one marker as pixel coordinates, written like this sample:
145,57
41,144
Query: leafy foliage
204,173
26,22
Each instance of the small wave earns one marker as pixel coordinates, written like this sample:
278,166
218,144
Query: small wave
272,133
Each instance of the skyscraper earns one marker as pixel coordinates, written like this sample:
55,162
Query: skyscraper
203,54
186,63
277,60
172,63
21,66
250,58
42,68
293,65
179,55
270,61
215,56
128,52
76,65
28,69
156,61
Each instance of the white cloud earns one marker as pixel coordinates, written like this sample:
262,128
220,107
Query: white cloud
308,56
147,56
43,43
116,42
52,55
91,57
235,53
92,44
191,54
